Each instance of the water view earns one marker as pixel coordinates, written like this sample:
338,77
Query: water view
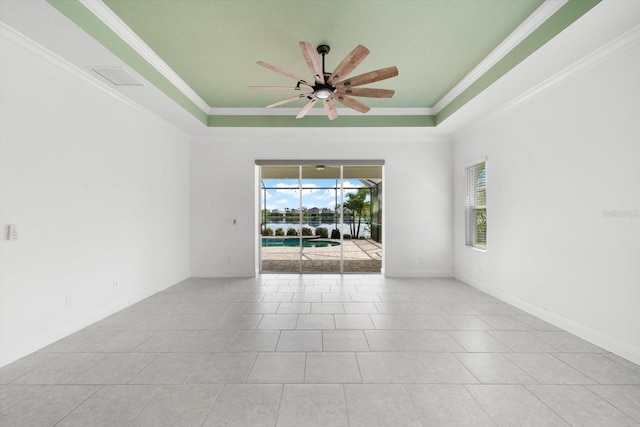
294,242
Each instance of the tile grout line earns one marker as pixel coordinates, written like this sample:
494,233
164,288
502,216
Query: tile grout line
213,403
571,367
346,404
544,403
355,355
148,403
78,405
304,377
279,404
466,388
588,388
145,367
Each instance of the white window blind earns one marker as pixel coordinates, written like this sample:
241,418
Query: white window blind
476,206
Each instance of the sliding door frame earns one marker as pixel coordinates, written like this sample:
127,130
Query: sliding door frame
300,164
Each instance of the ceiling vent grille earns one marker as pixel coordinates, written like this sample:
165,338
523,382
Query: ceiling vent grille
117,76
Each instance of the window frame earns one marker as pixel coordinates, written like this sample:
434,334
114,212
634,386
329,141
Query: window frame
471,207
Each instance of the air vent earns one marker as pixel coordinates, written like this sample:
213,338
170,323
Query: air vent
117,76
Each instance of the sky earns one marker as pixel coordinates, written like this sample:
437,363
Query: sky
286,194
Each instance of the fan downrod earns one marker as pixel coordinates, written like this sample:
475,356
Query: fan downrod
323,49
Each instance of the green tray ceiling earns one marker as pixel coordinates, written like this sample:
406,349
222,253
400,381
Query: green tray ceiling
213,46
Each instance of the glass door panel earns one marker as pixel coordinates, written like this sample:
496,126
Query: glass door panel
321,250
280,219
362,246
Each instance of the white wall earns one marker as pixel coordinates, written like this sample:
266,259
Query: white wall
417,204
559,158
99,192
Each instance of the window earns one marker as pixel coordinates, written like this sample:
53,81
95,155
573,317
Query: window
476,206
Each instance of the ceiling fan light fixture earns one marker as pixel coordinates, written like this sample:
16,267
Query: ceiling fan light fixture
323,93
325,85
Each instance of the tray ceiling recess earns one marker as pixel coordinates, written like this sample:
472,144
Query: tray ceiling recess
202,54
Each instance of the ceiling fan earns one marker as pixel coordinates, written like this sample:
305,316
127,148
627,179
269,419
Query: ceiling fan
327,87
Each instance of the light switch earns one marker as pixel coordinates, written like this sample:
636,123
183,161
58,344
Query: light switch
12,232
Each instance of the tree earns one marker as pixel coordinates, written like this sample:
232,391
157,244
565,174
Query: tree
357,204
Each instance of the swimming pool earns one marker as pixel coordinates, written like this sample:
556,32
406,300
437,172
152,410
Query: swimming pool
295,243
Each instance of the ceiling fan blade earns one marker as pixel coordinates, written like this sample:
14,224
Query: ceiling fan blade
311,58
348,64
352,103
366,92
284,101
281,71
308,106
370,77
274,88
330,108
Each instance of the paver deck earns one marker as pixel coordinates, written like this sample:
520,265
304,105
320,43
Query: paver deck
360,256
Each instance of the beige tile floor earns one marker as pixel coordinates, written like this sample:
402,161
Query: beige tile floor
322,350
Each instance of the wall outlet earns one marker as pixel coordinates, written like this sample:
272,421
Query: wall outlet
115,283
420,260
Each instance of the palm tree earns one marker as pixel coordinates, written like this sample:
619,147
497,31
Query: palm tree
357,204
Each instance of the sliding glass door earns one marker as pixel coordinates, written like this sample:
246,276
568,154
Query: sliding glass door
321,196
320,217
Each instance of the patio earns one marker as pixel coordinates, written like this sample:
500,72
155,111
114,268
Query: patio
360,256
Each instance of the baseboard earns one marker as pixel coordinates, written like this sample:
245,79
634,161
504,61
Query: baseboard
606,342
227,273
418,273
41,341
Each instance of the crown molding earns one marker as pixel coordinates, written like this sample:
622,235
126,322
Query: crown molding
622,42
111,20
318,112
37,49
537,18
